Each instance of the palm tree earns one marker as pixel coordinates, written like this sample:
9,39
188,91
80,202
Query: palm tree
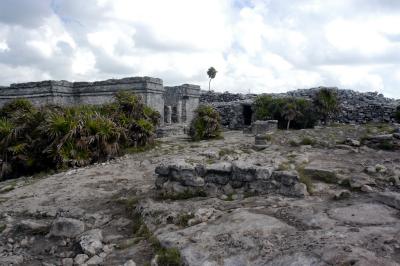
211,72
290,112
327,103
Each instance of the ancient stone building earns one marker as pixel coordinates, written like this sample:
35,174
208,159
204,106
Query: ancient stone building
177,102
181,101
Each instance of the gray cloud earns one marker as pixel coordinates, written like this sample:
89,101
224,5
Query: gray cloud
26,13
272,45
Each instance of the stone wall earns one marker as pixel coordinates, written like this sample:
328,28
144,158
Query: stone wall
232,113
183,100
224,177
75,93
211,96
356,107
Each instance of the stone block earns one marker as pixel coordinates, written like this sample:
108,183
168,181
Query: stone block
261,127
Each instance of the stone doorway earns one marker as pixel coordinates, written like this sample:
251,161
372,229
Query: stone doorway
247,115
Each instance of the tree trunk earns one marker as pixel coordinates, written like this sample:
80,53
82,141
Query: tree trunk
209,85
288,125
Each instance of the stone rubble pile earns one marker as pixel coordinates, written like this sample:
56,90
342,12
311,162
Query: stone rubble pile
226,178
356,107
211,96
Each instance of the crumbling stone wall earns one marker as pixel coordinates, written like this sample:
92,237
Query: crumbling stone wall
211,96
183,100
225,177
356,107
75,93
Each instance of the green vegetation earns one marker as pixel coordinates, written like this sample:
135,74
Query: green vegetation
34,140
226,151
211,72
290,112
169,257
165,256
2,227
326,104
306,180
184,218
386,145
187,194
307,141
297,113
206,124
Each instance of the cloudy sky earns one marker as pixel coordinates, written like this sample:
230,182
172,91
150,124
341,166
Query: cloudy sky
256,46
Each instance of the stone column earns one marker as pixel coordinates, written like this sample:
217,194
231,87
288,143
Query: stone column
179,112
167,114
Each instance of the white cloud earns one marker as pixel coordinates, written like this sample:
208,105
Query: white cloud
3,46
84,62
261,46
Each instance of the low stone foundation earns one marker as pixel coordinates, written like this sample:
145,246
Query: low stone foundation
226,178
385,142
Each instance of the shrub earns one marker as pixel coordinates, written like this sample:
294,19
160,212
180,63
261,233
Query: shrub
326,103
301,112
169,257
33,139
206,123
307,141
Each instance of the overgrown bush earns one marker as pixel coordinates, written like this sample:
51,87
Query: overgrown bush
206,123
300,112
326,104
53,137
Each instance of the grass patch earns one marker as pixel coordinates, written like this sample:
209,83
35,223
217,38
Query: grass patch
284,166
386,145
210,161
249,194
229,197
293,143
2,228
169,257
226,151
129,203
187,194
183,219
165,256
306,180
246,150
7,188
307,141
3,200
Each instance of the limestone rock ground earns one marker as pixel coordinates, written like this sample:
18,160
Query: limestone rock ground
84,216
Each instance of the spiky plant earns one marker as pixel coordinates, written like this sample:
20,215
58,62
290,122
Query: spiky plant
206,123
55,137
326,103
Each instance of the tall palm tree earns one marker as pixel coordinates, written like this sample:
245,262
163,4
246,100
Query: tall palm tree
211,72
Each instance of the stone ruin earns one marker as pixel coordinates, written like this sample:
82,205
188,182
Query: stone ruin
180,177
237,110
175,104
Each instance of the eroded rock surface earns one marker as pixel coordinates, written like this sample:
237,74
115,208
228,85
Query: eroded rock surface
112,214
